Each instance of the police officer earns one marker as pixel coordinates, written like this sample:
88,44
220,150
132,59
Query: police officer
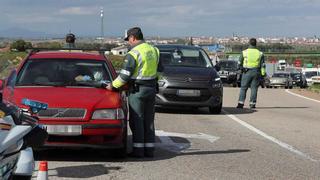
70,41
253,67
140,71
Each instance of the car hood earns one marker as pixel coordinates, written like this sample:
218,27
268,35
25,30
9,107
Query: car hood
88,98
184,72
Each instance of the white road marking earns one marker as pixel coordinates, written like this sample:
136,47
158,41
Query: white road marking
298,95
167,143
261,133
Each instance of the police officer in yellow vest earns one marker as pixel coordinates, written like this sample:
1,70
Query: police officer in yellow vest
253,67
140,71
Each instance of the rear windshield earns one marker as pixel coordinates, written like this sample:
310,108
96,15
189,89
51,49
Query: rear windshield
184,57
228,65
309,74
61,72
282,75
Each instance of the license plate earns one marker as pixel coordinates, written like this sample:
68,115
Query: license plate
188,92
66,130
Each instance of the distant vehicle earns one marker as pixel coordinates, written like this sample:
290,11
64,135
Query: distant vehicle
282,63
315,79
189,79
281,79
309,75
298,79
82,113
228,72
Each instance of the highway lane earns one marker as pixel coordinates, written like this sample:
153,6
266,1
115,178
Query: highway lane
193,144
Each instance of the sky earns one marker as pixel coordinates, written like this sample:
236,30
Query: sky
165,18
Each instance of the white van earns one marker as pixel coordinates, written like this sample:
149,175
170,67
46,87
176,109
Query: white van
282,64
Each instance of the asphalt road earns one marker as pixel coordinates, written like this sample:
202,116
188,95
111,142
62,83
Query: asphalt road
277,140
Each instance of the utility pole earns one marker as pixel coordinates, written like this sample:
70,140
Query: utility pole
101,16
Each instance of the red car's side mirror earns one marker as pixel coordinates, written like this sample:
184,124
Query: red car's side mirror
1,84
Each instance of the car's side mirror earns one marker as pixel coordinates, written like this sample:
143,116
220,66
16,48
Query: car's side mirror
1,84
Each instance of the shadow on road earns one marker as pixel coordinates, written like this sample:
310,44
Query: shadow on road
202,111
281,107
84,171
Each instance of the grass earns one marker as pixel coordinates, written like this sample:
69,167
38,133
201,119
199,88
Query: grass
315,88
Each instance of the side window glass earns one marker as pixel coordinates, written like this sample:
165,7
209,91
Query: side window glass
12,79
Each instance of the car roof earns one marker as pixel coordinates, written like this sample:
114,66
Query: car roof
177,46
66,55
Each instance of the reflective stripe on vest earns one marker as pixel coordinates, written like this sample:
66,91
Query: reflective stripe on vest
251,58
147,59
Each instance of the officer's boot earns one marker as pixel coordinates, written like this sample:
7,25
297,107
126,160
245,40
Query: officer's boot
240,106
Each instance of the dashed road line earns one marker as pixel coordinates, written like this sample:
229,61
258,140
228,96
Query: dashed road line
270,138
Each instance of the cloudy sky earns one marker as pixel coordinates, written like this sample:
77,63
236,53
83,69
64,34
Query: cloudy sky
263,18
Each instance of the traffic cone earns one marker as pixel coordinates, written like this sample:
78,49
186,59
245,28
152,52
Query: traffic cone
43,171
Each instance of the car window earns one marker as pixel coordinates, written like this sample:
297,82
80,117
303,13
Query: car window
280,75
228,65
12,79
184,57
309,74
60,72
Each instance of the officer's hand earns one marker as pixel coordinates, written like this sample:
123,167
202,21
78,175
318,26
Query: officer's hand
79,78
109,86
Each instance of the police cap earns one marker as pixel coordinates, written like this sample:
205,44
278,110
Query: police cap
136,32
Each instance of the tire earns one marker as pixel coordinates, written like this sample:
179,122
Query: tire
122,152
215,109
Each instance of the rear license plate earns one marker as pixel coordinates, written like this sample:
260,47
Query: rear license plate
188,92
67,130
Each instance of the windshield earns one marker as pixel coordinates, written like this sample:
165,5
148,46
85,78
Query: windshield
185,57
228,65
61,72
282,75
309,74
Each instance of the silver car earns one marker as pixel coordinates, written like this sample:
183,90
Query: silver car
281,79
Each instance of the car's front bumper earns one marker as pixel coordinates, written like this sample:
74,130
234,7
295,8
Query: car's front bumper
209,96
97,133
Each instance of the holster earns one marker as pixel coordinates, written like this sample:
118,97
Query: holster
133,87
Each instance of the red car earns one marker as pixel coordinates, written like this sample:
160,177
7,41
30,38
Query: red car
81,112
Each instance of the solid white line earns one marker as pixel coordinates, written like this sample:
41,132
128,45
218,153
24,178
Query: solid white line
292,93
261,133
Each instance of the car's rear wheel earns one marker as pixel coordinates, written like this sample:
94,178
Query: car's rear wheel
215,109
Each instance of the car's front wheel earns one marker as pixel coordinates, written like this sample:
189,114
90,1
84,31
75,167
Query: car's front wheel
215,109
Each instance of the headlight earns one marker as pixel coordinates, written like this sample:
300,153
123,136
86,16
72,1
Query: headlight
108,114
217,79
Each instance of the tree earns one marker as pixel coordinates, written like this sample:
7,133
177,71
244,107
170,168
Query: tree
20,45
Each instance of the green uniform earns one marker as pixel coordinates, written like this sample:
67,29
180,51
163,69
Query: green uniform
140,70
252,63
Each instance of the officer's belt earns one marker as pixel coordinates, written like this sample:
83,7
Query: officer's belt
149,83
